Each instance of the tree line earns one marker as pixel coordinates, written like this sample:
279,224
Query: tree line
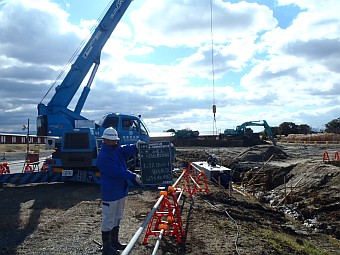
284,128
287,128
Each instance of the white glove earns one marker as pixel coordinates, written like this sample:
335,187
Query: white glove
138,179
138,143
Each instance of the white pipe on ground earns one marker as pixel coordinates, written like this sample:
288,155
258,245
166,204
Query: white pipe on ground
134,239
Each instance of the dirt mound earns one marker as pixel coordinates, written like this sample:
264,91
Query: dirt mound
228,158
292,178
65,218
262,154
311,193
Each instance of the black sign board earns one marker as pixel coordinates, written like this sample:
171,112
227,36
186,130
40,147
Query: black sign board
155,162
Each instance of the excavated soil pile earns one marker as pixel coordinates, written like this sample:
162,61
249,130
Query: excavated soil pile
288,205
291,178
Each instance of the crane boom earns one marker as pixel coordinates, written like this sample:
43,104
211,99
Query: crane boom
74,139
55,117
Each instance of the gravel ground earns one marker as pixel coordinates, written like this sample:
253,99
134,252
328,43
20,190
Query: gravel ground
64,218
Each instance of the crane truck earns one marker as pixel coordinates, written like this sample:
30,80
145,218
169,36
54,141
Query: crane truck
73,137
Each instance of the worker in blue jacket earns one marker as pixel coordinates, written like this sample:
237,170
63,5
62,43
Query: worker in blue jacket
114,174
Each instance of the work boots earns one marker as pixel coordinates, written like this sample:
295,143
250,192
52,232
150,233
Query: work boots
107,247
114,239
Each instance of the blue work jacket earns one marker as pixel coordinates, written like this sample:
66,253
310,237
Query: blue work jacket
114,174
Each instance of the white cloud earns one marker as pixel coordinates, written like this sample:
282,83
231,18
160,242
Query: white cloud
188,23
158,62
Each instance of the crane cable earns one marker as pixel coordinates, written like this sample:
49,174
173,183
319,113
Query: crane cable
76,52
214,131
213,68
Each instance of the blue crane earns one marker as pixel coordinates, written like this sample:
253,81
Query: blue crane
55,118
73,137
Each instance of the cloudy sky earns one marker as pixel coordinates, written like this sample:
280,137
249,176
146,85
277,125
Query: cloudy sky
171,60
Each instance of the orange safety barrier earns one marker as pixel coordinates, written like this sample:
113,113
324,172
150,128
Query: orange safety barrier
167,219
202,179
186,182
191,169
28,168
326,156
4,168
191,183
44,167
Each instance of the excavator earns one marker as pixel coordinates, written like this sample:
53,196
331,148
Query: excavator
246,135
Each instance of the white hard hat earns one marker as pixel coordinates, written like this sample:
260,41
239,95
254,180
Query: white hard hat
110,134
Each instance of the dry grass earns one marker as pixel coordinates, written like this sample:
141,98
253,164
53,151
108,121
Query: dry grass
279,240
324,137
6,148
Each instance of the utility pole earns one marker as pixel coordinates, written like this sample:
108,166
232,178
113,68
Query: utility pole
28,136
24,127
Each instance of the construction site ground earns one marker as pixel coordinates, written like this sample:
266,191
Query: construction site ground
285,200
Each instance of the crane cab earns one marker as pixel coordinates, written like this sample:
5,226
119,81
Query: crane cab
130,128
